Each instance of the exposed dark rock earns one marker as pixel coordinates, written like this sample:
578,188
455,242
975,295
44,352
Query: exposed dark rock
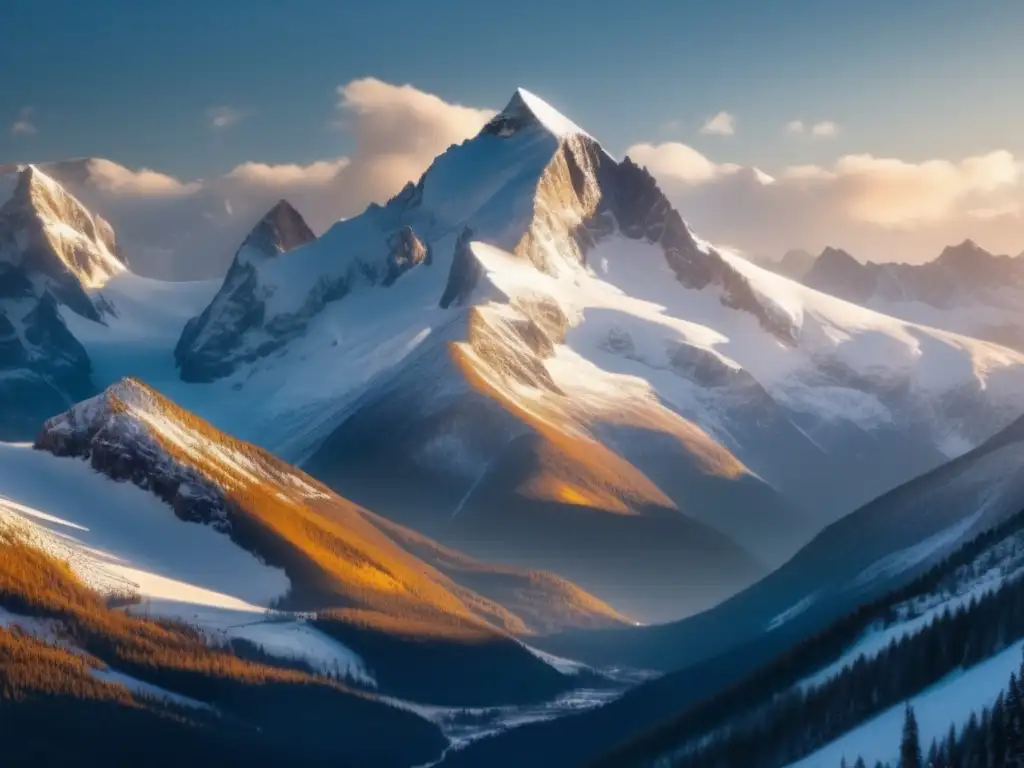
513,118
127,454
281,229
406,252
465,271
643,212
210,345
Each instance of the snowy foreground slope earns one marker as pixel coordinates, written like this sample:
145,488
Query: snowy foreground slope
122,540
950,702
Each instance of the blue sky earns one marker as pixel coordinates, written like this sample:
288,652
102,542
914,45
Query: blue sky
133,80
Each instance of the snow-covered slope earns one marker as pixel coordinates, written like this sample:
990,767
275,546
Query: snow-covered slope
950,702
965,289
531,333
124,541
532,295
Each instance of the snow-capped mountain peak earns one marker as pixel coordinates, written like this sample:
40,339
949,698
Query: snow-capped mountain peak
50,233
526,109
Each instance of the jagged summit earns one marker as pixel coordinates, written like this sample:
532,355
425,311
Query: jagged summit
281,229
963,255
526,109
46,231
837,256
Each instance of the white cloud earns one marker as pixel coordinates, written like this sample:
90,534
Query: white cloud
722,124
118,180
824,129
879,208
219,118
315,174
189,229
24,125
676,161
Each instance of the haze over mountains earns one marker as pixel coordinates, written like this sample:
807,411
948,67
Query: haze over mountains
535,409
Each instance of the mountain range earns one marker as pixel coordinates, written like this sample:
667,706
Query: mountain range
965,289
453,452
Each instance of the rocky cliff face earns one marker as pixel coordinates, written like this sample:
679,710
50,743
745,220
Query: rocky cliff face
52,252
54,243
208,346
105,432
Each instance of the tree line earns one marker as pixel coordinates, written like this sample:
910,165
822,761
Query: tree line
800,719
995,739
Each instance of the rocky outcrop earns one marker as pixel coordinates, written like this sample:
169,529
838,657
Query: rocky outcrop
281,229
464,273
103,432
406,252
210,344
643,212
52,252
55,243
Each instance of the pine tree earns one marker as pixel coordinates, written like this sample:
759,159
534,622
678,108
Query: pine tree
860,763
1012,725
910,748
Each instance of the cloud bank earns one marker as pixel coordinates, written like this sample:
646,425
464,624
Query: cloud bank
882,209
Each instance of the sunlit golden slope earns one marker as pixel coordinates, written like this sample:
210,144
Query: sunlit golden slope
71,668
336,555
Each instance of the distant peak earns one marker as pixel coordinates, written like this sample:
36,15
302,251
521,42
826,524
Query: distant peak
282,209
525,110
963,253
281,229
837,255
